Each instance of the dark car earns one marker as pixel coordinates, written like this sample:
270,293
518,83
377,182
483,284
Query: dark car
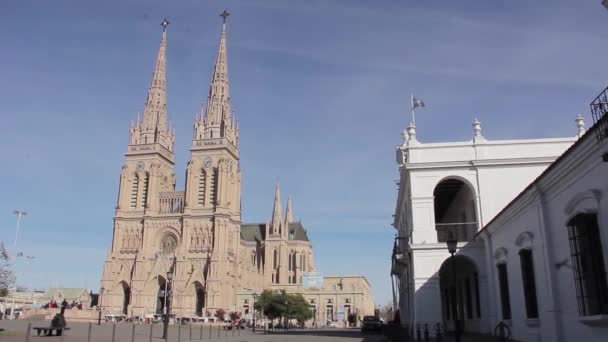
371,323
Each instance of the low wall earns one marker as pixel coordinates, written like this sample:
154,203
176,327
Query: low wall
70,315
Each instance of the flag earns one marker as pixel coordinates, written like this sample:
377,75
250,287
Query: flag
416,103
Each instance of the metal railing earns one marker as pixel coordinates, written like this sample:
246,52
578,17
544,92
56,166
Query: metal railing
599,108
464,231
138,332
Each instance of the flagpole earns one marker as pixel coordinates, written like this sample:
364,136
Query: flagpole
413,112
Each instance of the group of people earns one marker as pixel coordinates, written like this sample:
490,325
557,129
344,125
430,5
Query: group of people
53,305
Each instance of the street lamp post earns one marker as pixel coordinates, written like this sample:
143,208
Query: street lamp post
167,304
452,243
254,295
19,213
101,290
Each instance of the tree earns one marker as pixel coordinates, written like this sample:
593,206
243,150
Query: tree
234,316
298,308
7,277
220,314
283,305
272,304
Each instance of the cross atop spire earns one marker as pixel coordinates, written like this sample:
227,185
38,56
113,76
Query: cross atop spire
164,24
224,15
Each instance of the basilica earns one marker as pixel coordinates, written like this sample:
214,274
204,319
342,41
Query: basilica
188,249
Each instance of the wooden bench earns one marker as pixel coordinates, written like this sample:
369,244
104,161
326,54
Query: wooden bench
48,331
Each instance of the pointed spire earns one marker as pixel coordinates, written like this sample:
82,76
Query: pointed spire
276,211
217,119
155,110
153,125
289,211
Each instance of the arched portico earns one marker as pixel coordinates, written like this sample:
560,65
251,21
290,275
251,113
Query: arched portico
455,209
460,293
163,295
126,297
199,298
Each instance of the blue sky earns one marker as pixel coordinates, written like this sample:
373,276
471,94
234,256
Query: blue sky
321,89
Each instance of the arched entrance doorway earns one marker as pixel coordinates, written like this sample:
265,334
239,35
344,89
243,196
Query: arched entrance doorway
163,295
126,300
455,210
199,293
459,286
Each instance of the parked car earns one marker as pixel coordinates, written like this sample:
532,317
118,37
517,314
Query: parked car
371,323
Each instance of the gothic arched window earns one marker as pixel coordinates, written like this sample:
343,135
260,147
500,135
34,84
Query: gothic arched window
201,188
134,187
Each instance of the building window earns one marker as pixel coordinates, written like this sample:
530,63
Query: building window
213,187
503,282
527,275
134,187
588,265
144,191
201,188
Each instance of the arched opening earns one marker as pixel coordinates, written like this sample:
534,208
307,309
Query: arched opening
126,300
459,286
199,292
455,212
163,296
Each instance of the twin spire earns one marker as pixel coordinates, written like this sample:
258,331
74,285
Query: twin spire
216,119
215,122
153,129
279,225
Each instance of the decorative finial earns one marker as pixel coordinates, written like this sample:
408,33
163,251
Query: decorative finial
411,132
580,125
405,136
165,23
224,15
477,128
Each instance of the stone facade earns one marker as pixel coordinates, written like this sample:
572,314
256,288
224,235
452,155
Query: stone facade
196,233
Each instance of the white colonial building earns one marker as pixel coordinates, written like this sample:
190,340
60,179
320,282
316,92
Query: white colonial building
457,188
547,250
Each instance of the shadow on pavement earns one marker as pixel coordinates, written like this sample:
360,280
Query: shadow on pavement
335,333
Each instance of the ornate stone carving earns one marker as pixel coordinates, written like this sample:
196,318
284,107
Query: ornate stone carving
200,238
168,244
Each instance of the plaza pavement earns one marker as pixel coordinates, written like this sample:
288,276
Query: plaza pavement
15,331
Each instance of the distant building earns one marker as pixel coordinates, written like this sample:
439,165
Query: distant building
79,295
217,262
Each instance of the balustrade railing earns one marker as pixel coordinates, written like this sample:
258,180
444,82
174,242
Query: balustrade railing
464,231
599,110
171,202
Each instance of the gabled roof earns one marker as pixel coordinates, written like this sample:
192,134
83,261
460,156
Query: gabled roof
68,293
253,231
257,232
299,232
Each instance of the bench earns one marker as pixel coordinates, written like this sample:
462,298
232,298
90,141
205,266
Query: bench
48,331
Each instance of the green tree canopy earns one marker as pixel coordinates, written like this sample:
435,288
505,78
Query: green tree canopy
281,304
